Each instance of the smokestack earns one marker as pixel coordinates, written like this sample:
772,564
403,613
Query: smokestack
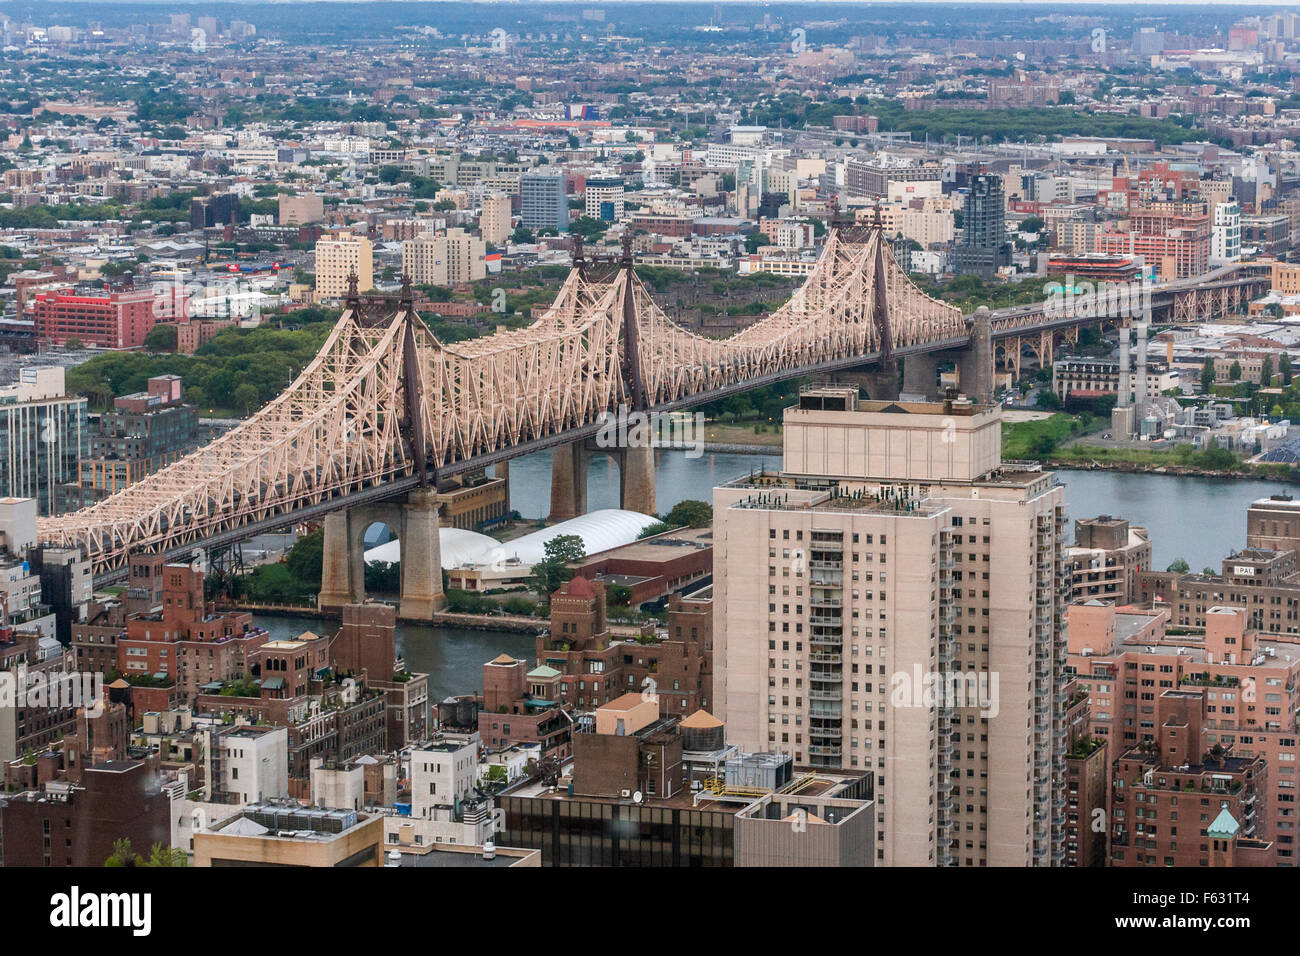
1125,376
1141,389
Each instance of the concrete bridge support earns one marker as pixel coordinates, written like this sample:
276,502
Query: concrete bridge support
920,378
568,481
336,566
636,478
415,523
975,362
881,383
421,557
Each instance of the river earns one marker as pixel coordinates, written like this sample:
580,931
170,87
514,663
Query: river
1197,519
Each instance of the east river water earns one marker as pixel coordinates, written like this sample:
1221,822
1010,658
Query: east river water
1197,519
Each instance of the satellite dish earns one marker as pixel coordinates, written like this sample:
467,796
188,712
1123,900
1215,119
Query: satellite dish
636,797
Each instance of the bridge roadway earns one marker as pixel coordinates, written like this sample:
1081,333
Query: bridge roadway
1002,326
403,483
1004,320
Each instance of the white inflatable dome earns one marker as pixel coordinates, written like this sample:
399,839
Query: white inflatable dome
458,547
599,531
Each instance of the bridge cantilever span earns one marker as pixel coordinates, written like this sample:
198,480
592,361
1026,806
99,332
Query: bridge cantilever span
384,408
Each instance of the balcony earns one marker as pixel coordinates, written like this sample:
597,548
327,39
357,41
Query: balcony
826,620
819,750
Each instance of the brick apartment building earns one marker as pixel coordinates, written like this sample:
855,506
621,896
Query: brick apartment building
1167,796
1125,660
185,640
77,825
114,320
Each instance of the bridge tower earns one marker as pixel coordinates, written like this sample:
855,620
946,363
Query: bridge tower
636,455
415,522
975,362
414,518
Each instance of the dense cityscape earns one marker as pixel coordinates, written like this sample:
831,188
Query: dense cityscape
397,401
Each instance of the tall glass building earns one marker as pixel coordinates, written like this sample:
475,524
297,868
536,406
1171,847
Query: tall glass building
43,435
542,201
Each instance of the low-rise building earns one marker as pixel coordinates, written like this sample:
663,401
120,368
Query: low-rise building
1106,558
289,834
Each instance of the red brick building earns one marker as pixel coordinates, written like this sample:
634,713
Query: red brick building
115,320
184,640
1165,796
77,825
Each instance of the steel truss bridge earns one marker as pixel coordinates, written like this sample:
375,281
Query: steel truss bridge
385,408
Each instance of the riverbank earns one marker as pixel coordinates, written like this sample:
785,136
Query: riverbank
727,448
1245,472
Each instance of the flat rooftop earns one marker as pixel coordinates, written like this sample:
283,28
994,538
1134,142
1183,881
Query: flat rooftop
433,855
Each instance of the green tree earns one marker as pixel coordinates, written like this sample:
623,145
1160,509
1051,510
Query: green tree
1208,375
589,228
1234,371
122,854
161,338
522,236
691,514
1218,458
1178,566
246,397
553,571
755,239
1284,367
1266,371
306,558
160,855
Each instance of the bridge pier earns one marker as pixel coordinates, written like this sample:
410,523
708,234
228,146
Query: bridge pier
336,567
920,378
881,383
636,478
415,523
975,363
568,481
421,557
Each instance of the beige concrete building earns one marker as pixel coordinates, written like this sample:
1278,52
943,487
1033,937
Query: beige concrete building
1107,556
929,225
337,257
299,210
444,260
494,221
907,619
286,834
